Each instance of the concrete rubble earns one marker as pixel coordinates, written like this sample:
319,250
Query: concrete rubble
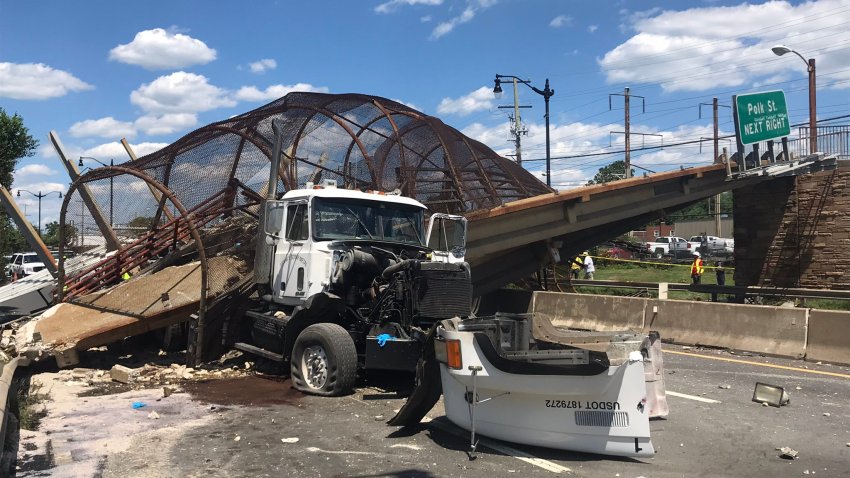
166,376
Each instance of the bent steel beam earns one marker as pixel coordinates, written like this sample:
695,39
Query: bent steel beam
79,183
112,242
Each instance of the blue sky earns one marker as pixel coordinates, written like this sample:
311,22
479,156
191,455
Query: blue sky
97,71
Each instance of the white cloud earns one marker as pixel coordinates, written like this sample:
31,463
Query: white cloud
709,47
479,100
168,123
577,139
425,19
37,81
116,151
446,27
33,170
180,92
393,5
158,49
592,28
561,21
273,92
472,9
262,66
107,127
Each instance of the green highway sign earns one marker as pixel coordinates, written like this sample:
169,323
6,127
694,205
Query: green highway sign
761,116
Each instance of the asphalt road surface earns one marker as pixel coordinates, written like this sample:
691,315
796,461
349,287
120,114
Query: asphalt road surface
258,426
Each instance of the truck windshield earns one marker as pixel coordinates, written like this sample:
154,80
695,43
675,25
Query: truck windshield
335,219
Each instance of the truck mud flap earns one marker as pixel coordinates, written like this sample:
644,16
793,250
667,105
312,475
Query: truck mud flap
428,387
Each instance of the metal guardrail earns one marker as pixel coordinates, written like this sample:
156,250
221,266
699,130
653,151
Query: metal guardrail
713,289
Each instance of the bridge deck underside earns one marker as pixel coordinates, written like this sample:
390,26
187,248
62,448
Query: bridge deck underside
509,242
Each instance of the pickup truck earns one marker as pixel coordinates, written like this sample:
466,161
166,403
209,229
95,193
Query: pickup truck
667,245
712,244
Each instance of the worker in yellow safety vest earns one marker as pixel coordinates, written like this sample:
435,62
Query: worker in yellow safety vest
576,266
696,268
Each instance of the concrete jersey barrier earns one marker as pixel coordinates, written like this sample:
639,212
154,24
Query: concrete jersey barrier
829,336
768,330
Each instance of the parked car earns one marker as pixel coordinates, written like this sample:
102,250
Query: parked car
712,244
667,245
25,263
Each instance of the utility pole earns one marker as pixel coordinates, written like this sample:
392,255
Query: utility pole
627,107
717,158
717,230
517,125
628,172
517,130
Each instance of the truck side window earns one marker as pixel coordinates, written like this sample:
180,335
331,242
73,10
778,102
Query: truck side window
296,222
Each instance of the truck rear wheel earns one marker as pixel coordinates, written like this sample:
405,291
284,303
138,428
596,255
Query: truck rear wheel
324,361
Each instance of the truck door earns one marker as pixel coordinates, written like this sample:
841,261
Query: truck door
447,237
294,265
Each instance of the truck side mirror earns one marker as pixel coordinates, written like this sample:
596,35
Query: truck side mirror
273,222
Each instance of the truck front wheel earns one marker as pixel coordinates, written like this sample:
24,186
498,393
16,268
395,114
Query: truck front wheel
324,361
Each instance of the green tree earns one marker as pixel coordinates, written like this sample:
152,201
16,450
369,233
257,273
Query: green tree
700,209
612,172
15,143
51,234
139,225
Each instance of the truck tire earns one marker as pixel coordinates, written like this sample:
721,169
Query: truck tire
324,361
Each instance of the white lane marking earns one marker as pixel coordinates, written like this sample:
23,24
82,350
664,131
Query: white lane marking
504,449
692,397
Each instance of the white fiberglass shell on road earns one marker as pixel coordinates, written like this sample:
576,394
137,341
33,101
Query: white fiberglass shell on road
575,406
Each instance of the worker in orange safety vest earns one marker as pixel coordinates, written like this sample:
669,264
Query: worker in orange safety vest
696,268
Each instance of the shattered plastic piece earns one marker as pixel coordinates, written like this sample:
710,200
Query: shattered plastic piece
153,415
787,453
138,405
237,438
289,440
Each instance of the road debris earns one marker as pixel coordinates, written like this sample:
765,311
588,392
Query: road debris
123,374
289,440
138,405
724,386
153,415
787,453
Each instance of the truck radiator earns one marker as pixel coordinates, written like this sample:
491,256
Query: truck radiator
443,291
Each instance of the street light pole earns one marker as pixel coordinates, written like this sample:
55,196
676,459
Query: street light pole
546,93
111,186
39,196
780,50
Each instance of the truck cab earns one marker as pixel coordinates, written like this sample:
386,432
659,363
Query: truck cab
352,279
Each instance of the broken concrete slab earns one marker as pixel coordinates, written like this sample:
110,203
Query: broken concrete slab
123,374
130,308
